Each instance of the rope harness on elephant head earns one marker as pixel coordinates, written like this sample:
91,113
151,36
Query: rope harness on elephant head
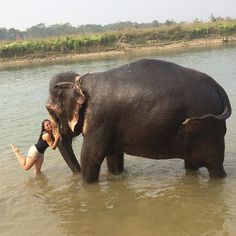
79,92
79,82
87,113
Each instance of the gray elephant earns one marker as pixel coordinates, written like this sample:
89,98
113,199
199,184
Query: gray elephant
148,108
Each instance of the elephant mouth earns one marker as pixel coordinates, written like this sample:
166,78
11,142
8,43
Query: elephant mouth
81,125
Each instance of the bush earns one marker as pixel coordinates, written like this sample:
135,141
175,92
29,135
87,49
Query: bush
133,36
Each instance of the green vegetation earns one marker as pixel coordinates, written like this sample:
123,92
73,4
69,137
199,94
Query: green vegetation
44,47
133,35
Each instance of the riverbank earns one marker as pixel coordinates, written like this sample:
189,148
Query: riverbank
117,52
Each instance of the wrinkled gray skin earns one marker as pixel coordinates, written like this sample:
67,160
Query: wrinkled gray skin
147,108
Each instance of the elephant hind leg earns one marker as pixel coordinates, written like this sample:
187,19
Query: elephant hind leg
208,151
115,163
212,160
215,156
216,171
191,165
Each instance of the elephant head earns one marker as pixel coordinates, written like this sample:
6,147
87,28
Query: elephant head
65,105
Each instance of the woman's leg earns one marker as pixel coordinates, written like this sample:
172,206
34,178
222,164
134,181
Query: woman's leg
38,165
27,162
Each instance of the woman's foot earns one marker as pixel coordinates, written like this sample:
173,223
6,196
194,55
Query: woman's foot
38,172
14,148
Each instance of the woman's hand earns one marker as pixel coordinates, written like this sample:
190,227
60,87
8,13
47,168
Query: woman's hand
55,131
56,134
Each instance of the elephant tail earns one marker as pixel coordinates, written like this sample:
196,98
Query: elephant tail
226,109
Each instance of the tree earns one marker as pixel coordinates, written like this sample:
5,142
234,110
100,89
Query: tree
170,22
213,19
155,23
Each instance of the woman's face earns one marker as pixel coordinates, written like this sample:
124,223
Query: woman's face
47,126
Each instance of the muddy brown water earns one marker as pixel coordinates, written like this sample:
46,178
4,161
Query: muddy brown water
152,197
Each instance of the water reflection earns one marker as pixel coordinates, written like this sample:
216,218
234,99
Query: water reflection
186,206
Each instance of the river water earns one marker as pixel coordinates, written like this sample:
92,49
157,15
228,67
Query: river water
152,197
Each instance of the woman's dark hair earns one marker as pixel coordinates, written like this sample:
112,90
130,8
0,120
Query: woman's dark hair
42,127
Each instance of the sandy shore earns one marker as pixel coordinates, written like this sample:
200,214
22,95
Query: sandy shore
124,49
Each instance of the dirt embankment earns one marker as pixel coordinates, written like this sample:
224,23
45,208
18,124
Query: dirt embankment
123,49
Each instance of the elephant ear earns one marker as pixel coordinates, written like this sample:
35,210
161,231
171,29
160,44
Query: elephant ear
75,116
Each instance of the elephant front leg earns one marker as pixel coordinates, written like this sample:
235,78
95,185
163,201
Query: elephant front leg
115,163
95,148
90,166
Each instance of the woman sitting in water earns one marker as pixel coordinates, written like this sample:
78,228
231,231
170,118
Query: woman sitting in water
49,136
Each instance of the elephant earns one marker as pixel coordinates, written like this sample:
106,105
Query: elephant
148,108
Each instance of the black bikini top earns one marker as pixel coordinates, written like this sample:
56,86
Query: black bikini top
41,145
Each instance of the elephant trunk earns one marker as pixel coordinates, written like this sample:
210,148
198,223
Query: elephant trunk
65,148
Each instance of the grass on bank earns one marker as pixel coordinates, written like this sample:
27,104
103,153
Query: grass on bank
158,35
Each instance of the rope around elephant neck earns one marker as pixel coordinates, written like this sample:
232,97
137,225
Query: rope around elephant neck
79,80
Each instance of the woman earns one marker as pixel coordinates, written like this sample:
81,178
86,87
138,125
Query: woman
49,136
